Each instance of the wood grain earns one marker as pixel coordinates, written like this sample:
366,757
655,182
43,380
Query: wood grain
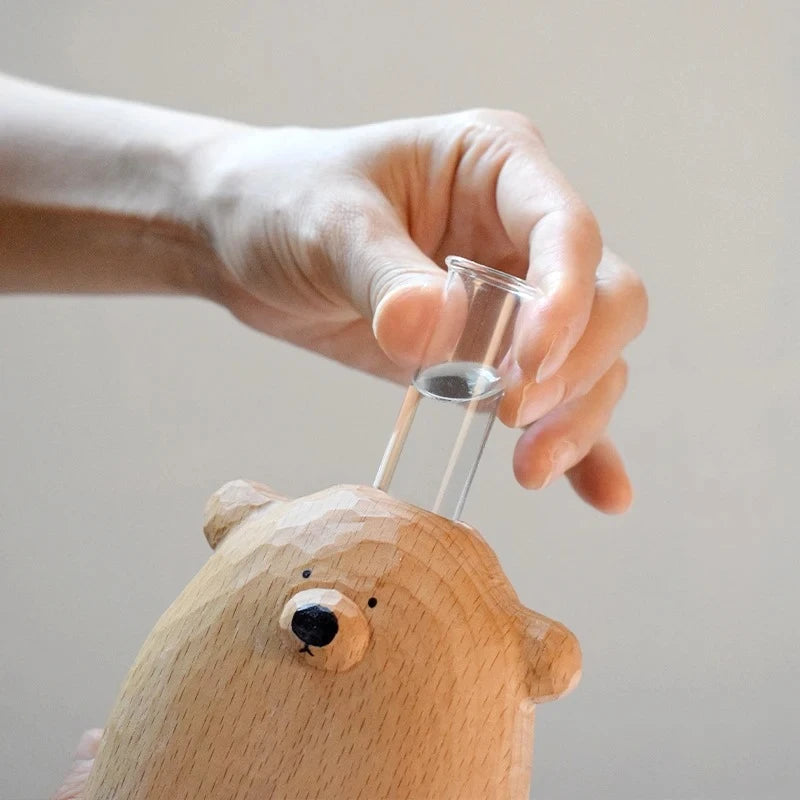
425,691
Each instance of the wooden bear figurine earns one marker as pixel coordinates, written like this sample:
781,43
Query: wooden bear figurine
341,646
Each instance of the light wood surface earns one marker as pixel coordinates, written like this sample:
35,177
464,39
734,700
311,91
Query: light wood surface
340,646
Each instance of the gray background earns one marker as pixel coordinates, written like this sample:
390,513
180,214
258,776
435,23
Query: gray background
118,417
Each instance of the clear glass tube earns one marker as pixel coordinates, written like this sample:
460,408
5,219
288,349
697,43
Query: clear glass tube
449,408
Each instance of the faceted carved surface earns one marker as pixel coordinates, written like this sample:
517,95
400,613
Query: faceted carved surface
424,688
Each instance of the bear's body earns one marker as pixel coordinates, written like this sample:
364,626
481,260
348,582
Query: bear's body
340,646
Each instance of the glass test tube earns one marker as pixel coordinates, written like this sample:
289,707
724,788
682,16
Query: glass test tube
451,404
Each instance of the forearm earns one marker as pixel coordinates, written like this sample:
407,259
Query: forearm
99,195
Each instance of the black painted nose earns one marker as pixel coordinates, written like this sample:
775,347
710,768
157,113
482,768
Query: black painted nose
315,625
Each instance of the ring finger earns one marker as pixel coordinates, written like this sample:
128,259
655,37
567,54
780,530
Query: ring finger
562,438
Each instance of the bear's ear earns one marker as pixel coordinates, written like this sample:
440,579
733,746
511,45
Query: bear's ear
230,504
554,658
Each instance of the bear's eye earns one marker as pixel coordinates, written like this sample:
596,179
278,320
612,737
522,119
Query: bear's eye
372,602
306,573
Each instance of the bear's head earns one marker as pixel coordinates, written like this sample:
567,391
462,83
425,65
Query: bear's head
358,568
339,645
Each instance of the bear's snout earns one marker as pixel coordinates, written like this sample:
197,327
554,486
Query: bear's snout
331,629
315,625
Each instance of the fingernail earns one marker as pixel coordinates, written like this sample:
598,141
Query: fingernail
561,460
404,322
555,356
538,400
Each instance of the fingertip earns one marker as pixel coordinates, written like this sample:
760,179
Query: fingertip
622,503
601,480
614,497
523,470
531,463
405,319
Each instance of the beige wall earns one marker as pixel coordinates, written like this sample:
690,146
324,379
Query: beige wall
118,417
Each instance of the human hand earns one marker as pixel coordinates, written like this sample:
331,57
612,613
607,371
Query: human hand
73,784
330,239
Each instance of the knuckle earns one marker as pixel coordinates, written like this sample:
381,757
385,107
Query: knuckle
619,374
625,290
585,229
577,236
515,120
633,298
584,219
644,304
505,120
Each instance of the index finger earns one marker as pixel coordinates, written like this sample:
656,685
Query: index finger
544,217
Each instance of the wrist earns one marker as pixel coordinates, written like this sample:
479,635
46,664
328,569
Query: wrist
175,167
102,194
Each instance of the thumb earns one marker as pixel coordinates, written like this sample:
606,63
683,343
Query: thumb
385,275
406,302
85,754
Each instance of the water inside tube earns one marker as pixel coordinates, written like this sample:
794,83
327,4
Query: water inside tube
453,406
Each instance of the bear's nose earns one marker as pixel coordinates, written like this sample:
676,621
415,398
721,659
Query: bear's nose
315,625
334,632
